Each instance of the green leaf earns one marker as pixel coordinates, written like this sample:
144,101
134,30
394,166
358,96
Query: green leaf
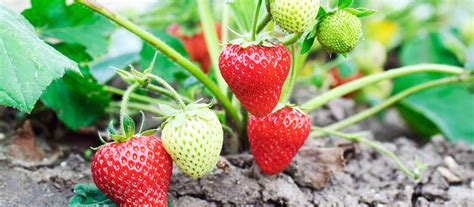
309,40
72,24
164,67
321,13
27,64
360,12
77,100
426,49
342,4
149,132
111,128
128,125
448,108
89,195
424,127
118,138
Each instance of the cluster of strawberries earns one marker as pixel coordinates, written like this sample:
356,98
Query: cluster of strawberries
137,171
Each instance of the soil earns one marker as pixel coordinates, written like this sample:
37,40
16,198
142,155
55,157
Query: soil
40,169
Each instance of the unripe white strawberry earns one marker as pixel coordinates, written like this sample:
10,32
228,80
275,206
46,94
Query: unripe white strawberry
294,16
193,139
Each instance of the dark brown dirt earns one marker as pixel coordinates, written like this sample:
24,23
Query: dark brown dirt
368,178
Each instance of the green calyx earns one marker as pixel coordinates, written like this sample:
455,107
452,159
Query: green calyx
129,126
176,117
134,76
339,31
289,105
263,39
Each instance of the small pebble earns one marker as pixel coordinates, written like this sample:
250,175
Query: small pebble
57,185
63,164
448,175
451,163
2,136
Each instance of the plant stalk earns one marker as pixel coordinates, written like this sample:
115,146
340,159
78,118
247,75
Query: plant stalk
166,92
124,104
133,96
141,107
399,96
264,22
290,81
212,41
255,20
266,19
291,39
368,80
176,96
171,53
225,24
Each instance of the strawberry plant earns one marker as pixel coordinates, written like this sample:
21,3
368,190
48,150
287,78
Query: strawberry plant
242,87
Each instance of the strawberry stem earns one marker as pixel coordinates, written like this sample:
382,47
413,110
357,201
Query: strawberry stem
165,84
255,20
399,96
225,24
124,105
266,19
143,98
166,92
368,80
290,81
212,41
291,39
264,22
378,147
143,107
133,96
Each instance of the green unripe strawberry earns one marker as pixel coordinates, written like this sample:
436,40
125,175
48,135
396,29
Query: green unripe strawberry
294,16
339,31
193,139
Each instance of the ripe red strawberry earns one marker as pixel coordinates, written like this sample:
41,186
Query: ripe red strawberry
133,172
195,44
340,80
255,74
276,138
